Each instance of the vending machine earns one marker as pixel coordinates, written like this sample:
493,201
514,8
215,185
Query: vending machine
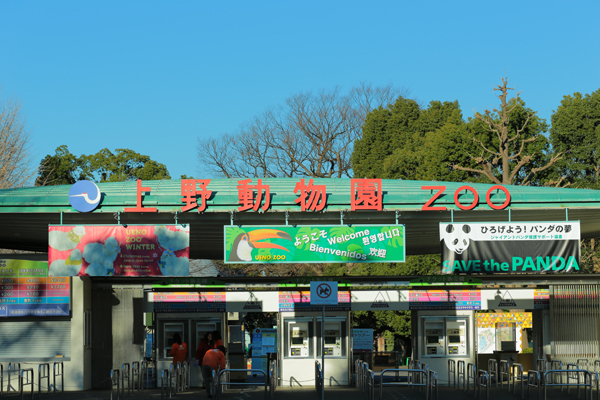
333,339
298,339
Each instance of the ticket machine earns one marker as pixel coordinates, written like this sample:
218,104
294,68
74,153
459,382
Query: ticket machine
333,339
298,339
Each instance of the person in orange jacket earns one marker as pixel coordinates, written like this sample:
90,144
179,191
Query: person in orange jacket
212,360
179,349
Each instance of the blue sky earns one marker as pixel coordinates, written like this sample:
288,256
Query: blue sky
155,76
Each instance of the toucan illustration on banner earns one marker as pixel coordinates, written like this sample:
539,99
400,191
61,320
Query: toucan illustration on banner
241,250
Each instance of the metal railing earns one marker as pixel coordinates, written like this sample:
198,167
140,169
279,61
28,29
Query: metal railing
483,380
414,377
1,379
273,377
43,373
125,377
165,383
503,371
462,373
516,372
588,378
14,367
493,370
318,378
114,381
58,369
471,375
227,371
541,365
135,375
26,379
433,383
145,378
370,385
534,380
452,372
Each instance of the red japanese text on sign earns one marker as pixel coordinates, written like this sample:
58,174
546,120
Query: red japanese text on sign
312,197
139,207
193,190
246,195
366,194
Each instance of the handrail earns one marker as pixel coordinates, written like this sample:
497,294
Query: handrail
265,384
371,385
318,378
165,383
1,379
358,373
519,374
462,372
541,364
433,382
145,378
483,380
587,380
26,373
58,369
452,372
135,375
471,374
493,370
424,383
272,378
125,373
114,380
554,365
533,380
11,371
504,370
43,373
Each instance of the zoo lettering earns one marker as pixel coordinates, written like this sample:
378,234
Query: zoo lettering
440,190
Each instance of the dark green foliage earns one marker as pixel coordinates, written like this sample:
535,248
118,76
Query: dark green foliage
64,168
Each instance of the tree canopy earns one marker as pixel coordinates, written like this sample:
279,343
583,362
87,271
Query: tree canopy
310,134
64,168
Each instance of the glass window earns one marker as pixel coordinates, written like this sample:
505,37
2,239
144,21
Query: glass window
169,329
445,336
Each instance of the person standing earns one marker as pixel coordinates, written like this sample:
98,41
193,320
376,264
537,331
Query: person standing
205,344
179,349
217,340
213,359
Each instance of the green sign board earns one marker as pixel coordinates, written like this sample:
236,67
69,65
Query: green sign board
445,280
314,244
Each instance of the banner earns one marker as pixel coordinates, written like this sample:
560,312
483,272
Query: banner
314,244
119,250
26,290
510,247
290,301
169,302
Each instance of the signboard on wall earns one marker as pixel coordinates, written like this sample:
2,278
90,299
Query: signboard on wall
119,250
314,244
362,340
27,290
189,302
444,299
510,247
300,301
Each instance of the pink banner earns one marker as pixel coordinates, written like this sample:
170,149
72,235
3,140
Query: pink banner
116,250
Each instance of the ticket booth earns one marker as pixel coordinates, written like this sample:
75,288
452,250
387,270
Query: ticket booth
443,335
301,344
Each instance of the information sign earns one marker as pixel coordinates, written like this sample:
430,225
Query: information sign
189,302
27,290
323,293
314,244
362,340
300,301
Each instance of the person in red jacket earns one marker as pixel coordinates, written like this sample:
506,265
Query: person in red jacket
213,359
204,345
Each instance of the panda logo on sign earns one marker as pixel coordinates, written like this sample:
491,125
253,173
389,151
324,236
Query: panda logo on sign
456,237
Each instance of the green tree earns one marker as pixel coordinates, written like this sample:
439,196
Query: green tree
64,168
576,132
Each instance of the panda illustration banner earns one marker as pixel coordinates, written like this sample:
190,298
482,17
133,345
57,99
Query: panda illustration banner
118,250
314,244
510,247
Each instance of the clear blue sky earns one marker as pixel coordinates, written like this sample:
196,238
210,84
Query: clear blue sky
154,76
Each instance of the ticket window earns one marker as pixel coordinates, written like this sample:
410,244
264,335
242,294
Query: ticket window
298,338
169,329
335,338
203,328
445,336
456,334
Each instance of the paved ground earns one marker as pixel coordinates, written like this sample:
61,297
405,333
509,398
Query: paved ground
331,393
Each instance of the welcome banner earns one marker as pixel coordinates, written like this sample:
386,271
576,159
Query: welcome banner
314,244
117,250
510,247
